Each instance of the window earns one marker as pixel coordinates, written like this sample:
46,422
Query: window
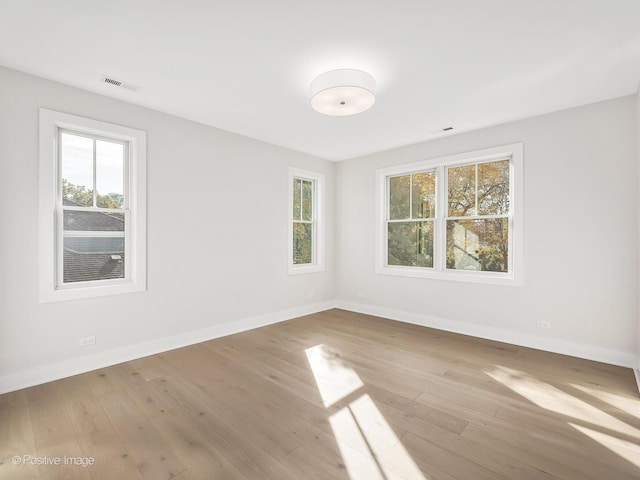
410,225
92,208
456,218
306,223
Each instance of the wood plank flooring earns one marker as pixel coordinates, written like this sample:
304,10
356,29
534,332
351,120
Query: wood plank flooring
335,395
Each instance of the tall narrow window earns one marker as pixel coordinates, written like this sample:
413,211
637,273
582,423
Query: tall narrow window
455,218
306,229
92,208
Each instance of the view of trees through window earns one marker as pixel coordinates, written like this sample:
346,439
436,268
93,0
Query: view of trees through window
303,221
476,217
81,195
411,214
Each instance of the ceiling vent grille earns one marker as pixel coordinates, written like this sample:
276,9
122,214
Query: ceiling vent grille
119,83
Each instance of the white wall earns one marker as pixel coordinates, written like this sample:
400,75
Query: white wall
217,239
580,238
637,369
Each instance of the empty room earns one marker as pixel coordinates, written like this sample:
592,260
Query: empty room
340,240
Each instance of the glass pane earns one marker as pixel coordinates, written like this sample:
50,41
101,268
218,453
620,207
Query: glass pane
297,208
76,165
93,221
302,243
424,195
307,200
399,188
461,183
109,174
410,244
493,188
93,258
105,245
478,244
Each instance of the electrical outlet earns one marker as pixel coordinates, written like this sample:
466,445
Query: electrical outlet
543,324
84,341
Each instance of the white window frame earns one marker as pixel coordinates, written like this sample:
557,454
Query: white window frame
515,274
318,240
51,287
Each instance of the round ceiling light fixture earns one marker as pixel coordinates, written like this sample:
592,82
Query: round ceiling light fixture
343,92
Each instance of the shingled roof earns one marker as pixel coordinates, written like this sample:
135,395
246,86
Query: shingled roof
81,267
107,262
91,221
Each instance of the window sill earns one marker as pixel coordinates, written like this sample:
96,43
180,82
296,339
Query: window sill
302,269
488,278
73,292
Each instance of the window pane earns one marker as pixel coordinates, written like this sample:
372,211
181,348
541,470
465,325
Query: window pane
93,221
93,258
493,188
111,245
399,188
297,207
76,165
478,244
424,194
109,174
410,244
307,200
302,243
461,183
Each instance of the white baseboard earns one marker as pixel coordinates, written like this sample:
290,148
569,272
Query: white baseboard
588,352
87,363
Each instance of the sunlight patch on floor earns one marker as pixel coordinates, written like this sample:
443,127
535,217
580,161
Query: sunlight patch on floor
627,404
626,450
369,446
553,399
335,380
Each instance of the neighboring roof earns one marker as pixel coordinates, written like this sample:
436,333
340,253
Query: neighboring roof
82,266
79,267
91,221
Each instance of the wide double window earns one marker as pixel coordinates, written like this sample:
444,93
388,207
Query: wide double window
92,208
457,218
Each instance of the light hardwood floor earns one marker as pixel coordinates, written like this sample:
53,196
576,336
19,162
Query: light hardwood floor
335,395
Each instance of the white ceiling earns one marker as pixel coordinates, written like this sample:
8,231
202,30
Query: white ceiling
246,65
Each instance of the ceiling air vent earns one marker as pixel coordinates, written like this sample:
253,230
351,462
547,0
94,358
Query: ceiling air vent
119,83
440,130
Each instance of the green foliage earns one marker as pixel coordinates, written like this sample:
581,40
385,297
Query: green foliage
84,197
302,243
410,244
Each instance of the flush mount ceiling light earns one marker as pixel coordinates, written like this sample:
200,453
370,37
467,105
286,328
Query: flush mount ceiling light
343,92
